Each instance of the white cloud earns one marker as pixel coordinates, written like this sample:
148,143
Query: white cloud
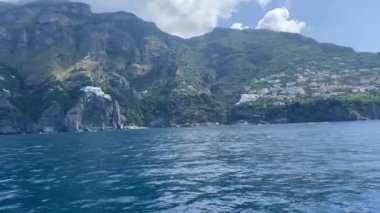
188,18
278,20
238,26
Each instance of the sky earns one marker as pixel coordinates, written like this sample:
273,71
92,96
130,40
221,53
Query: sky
353,23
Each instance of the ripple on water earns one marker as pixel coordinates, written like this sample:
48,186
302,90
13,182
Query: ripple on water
6,180
9,207
7,195
105,201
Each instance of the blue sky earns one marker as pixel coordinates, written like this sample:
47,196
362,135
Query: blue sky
353,23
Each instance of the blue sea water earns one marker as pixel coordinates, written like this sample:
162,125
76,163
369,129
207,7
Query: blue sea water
331,167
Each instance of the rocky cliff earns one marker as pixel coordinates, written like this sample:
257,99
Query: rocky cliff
92,114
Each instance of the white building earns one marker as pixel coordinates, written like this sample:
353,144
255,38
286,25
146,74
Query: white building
244,98
89,90
294,91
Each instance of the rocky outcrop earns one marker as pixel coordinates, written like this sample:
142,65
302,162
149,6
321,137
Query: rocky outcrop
258,115
12,120
116,116
73,118
93,113
52,119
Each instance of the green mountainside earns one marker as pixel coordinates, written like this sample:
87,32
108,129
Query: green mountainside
64,68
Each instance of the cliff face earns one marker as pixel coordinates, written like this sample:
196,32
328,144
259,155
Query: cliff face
88,114
51,119
92,114
12,119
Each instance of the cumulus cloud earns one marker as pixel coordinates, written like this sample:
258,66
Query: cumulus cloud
279,20
188,18
238,26
185,18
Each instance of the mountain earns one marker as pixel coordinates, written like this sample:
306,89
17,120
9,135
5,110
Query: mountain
64,68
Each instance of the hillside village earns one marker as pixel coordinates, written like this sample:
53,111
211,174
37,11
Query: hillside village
311,82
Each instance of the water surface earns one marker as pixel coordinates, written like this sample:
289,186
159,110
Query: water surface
276,168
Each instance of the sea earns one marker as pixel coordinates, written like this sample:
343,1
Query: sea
320,167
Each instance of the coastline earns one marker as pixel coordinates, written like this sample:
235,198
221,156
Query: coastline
136,128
